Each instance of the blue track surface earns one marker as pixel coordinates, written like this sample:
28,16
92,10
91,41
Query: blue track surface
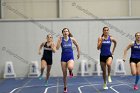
90,84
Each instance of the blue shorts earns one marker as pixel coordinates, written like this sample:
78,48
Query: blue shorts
65,57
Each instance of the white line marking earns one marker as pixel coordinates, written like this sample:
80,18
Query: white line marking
21,87
57,89
97,90
111,87
25,84
25,87
48,88
13,90
52,85
79,88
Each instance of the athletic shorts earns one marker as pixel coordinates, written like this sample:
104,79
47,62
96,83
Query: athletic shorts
104,58
48,60
134,60
66,57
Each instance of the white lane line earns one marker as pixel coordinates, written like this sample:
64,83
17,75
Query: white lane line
79,88
123,83
63,85
57,89
52,85
48,88
25,87
111,87
97,90
20,87
14,90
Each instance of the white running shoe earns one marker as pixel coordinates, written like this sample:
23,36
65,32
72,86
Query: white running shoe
105,86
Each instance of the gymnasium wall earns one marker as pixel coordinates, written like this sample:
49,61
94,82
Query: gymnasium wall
20,40
45,9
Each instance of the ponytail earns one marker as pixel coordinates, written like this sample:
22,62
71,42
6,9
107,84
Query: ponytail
102,35
70,35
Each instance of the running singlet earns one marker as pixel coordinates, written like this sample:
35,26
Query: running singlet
135,51
67,51
66,46
105,48
47,51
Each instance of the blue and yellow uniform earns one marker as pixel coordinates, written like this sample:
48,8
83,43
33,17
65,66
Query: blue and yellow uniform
135,53
105,50
47,54
67,51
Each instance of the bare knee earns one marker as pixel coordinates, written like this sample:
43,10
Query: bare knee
70,67
109,61
108,65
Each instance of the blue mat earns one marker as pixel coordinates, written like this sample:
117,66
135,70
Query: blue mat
78,84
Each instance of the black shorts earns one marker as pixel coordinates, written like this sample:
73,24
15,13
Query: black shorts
48,60
134,60
104,58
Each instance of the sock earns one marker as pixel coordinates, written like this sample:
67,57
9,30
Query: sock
70,72
65,88
137,79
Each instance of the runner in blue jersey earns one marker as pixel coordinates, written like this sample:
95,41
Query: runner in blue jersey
134,58
67,57
46,59
104,44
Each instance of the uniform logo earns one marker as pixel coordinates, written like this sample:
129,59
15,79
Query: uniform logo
106,42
